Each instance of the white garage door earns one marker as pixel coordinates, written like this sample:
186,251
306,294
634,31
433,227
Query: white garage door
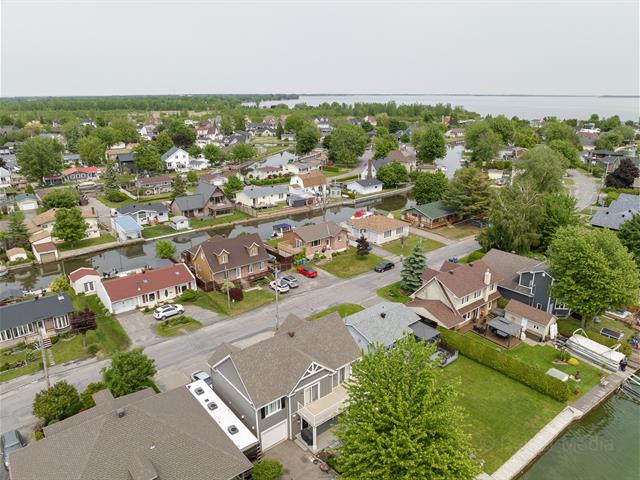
273,435
124,305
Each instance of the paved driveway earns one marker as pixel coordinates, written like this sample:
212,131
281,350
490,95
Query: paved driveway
297,463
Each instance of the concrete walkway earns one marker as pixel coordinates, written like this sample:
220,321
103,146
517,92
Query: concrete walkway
432,236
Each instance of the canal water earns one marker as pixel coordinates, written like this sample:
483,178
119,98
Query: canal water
605,444
140,255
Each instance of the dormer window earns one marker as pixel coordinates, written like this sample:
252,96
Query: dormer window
223,257
253,250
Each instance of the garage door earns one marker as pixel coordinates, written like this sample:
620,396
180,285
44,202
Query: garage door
48,257
273,435
125,305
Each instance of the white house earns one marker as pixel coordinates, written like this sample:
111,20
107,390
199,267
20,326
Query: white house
176,159
25,202
5,178
144,213
179,222
365,187
455,133
14,254
377,229
126,228
146,289
262,197
314,183
84,280
535,322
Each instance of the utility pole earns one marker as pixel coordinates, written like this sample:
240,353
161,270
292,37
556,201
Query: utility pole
275,274
44,357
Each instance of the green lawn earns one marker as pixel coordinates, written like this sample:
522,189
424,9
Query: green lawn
457,231
502,414
405,247
157,231
218,302
275,208
593,329
177,326
344,310
472,257
394,293
129,200
235,216
331,173
348,264
109,336
89,242
33,363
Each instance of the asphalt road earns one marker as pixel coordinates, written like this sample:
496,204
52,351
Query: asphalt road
585,189
177,357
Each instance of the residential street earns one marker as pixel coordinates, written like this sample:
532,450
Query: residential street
585,190
177,357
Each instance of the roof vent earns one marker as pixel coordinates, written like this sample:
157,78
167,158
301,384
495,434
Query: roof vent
292,333
232,429
61,297
450,272
199,391
383,314
212,406
120,412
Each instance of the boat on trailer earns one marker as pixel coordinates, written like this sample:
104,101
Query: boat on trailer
582,346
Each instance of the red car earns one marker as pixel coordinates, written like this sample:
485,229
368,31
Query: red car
307,272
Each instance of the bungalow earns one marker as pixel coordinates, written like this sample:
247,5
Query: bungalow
80,174
218,259
524,279
288,137
175,159
290,385
154,185
47,220
126,228
377,229
51,180
262,197
430,215
457,295
322,238
84,280
146,289
536,323
455,133
314,183
113,152
216,179
45,252
366,186
22,320
15,254
620,210
144,213
207,201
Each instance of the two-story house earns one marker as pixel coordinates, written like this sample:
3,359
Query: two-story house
154,185
525,279
323,238
456,295
207,201
313,183
46,221
290,385
175,159
377,229
218,259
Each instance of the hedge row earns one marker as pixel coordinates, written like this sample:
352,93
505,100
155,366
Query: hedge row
512,367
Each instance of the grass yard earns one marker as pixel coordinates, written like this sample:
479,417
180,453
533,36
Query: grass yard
235,216
157,231
33,362
457,231
344,310
405,247
275,208
273,242
335,173
502,414
605,322
394,293
88,242
217,301
347,264
177,326
472,257
129,200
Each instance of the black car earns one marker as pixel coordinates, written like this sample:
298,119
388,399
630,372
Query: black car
10,442
383,267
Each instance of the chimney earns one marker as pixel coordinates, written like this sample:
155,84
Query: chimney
369,176
487,282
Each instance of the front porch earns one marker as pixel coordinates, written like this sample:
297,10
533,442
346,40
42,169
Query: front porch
319,417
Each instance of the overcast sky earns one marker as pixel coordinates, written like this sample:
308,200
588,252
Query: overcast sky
106,47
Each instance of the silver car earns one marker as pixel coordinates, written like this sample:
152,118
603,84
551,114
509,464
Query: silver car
290,280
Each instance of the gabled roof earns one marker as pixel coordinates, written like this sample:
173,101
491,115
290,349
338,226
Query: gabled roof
22,313
159,179
467,278
82,272
433,210
199,199
377,223
46,247
318,231
272,368
620,210
259,192
131,286
237,248
528,312
170,152
165,436
384,323
50,216
445,315
368,182
313,179
157,207
71,170
509,266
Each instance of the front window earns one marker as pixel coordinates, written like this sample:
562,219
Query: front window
387,233
315,243
88,287
148,297
312,393
399,231
272,408
60,322
238,272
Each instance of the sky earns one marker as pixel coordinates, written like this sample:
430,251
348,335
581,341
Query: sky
118,47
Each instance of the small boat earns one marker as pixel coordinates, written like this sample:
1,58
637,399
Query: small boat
361,214
280,228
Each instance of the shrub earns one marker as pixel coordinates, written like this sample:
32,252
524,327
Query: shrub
267,470
38,435
54,339
179,320
530,375
86,397
114,195
236,294
93,349
573,362
189,296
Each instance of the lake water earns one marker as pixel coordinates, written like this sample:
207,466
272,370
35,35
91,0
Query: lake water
605,444
528,107
140,255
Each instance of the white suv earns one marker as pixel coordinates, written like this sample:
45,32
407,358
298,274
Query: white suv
166,311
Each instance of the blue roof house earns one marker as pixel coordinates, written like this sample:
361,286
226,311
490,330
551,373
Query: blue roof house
126,228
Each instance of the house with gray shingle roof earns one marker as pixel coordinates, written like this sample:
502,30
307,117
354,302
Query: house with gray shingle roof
262,197
144,213
290,385
322,238
620,210
140,436
207,201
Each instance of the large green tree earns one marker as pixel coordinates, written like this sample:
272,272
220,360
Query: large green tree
163,142
429,143
165,249
307,138
69,225
214,154
243,151
592,271
107,135
514,222
392,174
17,234
226,125
383,143
129,372
295,122
555,130
412,267
91,150
525,137
543,168
61,198
348,143
503,127
57,402
483,142
147,157
125,129
233,186
39,157
429,187
179,187
469,193
110,177
568,151
629,235
402,420
559,211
